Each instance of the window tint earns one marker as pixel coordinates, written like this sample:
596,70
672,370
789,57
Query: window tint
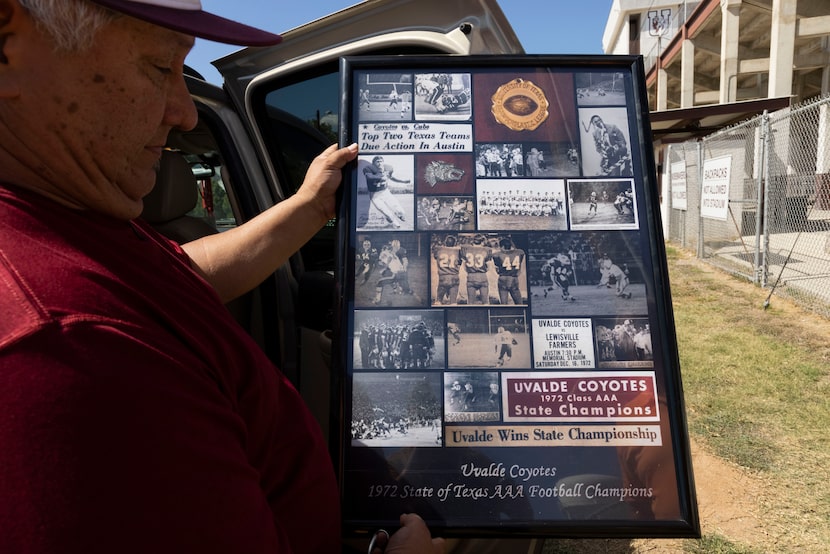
302,118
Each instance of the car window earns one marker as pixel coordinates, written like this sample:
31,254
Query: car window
214,205
301,121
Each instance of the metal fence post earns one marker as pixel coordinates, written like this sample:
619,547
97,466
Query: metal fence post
700,249
670,200
760,179
765,199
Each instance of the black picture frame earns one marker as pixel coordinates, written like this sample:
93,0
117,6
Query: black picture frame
505,346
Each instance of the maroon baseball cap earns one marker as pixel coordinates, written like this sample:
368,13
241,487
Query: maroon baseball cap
186,16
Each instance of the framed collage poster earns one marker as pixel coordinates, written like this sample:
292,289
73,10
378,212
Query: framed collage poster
506,346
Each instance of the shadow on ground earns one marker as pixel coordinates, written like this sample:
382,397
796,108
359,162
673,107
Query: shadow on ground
588,546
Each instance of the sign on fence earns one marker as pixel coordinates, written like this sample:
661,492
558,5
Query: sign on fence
714,190
678,186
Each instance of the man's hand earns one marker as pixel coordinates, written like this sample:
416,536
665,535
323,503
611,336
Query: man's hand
412,538
236,261
323,177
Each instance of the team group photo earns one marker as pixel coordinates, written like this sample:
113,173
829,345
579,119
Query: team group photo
399,340
524,204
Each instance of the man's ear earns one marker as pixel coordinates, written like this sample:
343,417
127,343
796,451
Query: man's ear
7,9
12,16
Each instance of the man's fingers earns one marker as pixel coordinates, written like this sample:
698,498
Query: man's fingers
338,157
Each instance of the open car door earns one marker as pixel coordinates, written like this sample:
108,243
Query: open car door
277,110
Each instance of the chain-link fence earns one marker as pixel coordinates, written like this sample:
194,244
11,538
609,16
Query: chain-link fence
754,199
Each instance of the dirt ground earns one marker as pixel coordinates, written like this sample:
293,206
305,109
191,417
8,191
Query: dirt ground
729,504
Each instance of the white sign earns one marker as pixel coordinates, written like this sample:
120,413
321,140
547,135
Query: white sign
678,186
407,138
714,190
561,343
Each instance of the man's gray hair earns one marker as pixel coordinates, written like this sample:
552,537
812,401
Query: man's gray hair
72,24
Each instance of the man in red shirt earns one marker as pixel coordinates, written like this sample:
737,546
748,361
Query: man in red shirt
136,415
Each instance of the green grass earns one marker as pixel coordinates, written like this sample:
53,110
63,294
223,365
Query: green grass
757,390
756,385
715,544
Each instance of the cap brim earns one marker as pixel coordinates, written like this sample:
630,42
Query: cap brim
195,23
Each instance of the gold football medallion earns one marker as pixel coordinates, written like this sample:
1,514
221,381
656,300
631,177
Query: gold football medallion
520,105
